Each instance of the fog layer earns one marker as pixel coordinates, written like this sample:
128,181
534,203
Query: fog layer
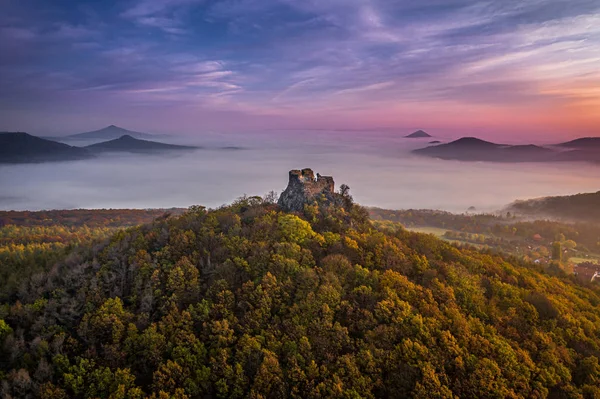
378,167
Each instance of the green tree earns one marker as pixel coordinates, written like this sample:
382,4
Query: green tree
5,330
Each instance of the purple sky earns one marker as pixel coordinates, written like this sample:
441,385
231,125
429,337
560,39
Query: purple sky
498,69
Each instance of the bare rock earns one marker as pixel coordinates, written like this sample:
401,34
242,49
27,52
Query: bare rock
304,188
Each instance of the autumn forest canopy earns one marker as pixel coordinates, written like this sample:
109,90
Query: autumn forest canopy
250,301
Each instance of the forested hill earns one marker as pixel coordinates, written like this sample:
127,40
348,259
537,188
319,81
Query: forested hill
580,207
250,301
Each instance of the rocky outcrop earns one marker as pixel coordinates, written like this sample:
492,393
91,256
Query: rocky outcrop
304,188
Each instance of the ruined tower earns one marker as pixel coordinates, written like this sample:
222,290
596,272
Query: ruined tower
303,188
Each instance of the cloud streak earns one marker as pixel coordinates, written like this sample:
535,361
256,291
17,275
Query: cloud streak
343,62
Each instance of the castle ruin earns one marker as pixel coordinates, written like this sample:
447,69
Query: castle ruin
303,188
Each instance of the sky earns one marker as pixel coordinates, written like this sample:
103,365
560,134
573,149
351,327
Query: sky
496,69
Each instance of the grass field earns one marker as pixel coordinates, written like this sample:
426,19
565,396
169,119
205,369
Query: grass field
578,260
439,232
436,231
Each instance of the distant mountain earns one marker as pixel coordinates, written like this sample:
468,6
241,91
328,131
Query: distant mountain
25,148
474,149
583,155
109,133
578,207
127,143
473,142
582,143
419,134
528,150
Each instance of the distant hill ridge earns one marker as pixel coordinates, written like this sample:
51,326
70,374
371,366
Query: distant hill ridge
127,143
472,149
472,142
22,147
582,143
578,207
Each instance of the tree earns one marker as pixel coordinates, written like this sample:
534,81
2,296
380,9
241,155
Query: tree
271,197
557,252
345,193
294,229
269,382
588,372
183,281
5,330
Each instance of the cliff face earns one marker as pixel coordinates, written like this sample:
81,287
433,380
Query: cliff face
303,188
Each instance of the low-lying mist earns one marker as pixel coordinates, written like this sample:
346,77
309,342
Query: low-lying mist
378,167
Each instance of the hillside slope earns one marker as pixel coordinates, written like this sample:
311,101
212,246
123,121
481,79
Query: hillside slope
250,301
31,242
